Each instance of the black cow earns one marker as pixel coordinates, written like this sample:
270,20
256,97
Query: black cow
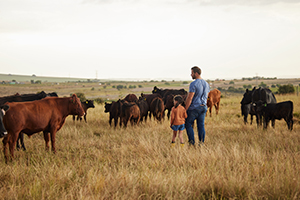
247,109
25,97
165,92
272,111
3,110
169,103
114,110
85,105
261,94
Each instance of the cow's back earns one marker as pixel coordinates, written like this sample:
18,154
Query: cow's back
31,117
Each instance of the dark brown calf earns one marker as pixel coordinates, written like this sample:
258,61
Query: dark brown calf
130,98
47,115
157,108
130,112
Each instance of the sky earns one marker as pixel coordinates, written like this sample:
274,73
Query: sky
150,39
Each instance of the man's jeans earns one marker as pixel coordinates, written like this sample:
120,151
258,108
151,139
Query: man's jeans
198,114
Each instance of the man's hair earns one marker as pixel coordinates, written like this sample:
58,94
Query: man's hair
196,69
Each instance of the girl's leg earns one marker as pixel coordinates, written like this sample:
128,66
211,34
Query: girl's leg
174,136
180,136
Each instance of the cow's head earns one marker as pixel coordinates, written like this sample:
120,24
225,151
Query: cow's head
3,110
89,103
107,107
155,90
259,106
75,106
247,98
52,94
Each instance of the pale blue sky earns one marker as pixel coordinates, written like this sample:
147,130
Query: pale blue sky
150,39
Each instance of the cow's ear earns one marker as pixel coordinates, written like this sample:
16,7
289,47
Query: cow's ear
247,90
265,105
5,107
74,98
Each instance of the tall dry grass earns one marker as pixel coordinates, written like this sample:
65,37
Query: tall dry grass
96,161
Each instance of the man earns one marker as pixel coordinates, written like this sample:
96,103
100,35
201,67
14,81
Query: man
195,105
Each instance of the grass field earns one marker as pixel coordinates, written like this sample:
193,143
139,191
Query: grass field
96,161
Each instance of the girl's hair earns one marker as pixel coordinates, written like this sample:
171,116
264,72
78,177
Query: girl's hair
179,100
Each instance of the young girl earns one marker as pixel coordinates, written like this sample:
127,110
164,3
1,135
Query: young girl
178,115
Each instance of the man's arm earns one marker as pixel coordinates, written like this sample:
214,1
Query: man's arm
188,100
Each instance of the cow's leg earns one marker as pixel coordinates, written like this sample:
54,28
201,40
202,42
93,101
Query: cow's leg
84,117
169,113
73,117
210,108
251,116
266,122
47,139
52,134
18,142
138,120
5,144
218,107
258,120
245,118
21,140
110,119
12,144
289,123
273,123
116,121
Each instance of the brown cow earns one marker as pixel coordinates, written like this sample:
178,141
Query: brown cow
157,108
47,115
213,99
130,98
130,112
150,97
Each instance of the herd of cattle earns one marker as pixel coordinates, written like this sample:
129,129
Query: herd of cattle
262,103
135,109
33,113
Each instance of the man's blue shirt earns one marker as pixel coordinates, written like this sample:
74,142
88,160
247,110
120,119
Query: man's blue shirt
201,89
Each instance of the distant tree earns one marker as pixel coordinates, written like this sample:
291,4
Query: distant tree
273,86
140,86
262,84
93,89
119,87
166,83
38,82
285,89
247,86
80,95
185,82
231,82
